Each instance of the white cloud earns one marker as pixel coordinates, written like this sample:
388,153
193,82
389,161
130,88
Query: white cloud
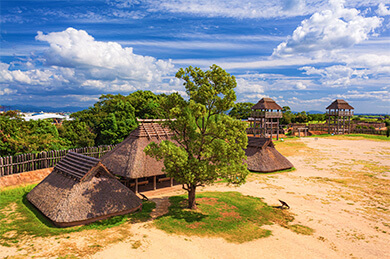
246,86
300,86
335,76
329,30
383,10
101,60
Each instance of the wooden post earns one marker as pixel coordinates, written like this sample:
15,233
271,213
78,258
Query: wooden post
171,181
277,133
1,167
154,183
272,122
136,185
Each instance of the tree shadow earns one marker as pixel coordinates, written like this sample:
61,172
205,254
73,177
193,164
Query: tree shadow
179,211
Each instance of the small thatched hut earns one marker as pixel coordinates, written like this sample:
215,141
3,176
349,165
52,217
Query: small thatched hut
129,160
81,190
263,156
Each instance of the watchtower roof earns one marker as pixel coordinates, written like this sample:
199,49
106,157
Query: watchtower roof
340,104
266,104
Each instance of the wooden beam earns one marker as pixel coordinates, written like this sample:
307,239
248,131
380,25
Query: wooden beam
136,185
154,183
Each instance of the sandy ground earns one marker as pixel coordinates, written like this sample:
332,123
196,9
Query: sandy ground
340,189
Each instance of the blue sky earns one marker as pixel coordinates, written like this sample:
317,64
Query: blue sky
303,54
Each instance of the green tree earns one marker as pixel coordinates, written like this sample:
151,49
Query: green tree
241,110
287,115
112,119
146,104
77,133
18,136
208,143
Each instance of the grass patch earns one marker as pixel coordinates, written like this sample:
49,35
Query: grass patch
230,215
19,218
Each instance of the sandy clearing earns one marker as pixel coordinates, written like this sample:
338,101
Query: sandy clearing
341,228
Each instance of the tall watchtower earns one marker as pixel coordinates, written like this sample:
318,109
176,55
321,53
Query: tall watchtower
339,117
265,118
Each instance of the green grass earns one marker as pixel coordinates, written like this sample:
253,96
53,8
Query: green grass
230,215
19,218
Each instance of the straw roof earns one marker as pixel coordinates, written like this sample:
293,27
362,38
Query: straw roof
81,190
340,104
262,156
266,104
128,159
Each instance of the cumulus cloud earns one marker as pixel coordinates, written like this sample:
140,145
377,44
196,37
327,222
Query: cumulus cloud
101,60
337,75
300,86
383,10
246,86
333,29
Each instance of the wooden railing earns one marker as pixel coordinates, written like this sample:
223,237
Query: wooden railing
29,162
266,114
340,113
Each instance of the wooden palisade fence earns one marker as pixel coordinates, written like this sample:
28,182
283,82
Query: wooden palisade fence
29,162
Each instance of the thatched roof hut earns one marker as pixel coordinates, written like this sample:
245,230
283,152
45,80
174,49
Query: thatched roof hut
81,190
128,158
263,156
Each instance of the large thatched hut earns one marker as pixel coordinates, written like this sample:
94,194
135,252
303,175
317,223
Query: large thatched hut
81,190
262,156
129,161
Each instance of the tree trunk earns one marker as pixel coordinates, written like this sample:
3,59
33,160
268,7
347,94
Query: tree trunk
191,197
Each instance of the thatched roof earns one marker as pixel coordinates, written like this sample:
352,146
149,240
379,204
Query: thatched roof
81,190
262,156
340,104
266,104
128,159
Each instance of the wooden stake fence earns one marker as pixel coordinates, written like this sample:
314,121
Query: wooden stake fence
29,162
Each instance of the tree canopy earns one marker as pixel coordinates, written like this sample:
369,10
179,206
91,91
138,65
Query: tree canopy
208,144
241,111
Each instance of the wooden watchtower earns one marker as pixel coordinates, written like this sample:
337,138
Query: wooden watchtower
339,117
265,117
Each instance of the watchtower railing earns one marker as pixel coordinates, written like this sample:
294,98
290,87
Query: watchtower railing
266,114
340,113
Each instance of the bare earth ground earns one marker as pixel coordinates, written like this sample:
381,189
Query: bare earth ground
341,189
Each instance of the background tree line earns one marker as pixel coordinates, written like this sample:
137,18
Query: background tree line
108,121
243,111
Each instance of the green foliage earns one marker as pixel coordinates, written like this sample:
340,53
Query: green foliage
230,215
19,217
301,117
241,110
208,144
146,104
18,136
112,118
77,133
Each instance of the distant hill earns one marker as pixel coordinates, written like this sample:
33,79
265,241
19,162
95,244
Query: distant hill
31,108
